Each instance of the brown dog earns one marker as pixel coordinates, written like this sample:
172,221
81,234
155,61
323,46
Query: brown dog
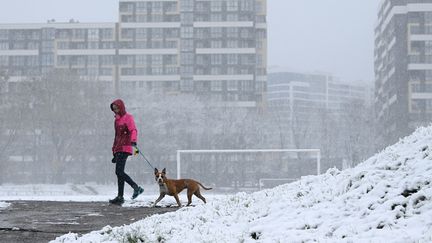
174,187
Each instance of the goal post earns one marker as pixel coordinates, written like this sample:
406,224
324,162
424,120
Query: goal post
180,152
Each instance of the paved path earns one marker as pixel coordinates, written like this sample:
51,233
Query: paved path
42,221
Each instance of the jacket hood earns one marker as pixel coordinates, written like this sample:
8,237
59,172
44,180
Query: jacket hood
120,104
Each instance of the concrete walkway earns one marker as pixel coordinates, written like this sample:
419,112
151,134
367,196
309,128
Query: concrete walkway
43,221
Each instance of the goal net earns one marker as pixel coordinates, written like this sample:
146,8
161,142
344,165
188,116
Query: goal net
248,169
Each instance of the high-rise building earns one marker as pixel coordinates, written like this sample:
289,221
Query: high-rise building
305,103
215,48
403,67
307,93
32,50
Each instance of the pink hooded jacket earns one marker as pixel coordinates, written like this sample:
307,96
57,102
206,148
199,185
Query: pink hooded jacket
125,129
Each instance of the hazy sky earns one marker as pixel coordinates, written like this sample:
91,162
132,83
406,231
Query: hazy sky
334,36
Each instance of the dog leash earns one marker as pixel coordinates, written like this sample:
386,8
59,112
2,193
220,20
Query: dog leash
139,151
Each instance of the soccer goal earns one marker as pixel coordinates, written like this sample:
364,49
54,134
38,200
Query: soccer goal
248,168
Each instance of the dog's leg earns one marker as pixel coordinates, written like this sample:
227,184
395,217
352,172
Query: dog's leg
189,195
198,194
177,199
162,195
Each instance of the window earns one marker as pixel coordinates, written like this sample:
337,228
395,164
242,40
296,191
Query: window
232,32
231,70
171,70
48,34
245,33
93,60
247,85
215,71
216,59
157,33
93,34
127,18
63,34
33,61
186,85
33,45
157,71
79,33
127,71
47,46
232,59
141,7
200,33
187,17
216,32
4,45
216,85
4,34
232,17
126,60
246,5
232,5
186,70
62,60
216,5
47,60
107,33
171,33
232,85
93,45
216,17
232,44
141,60
216,44
187,59
126,7
157,7
187,32
170,59
127,33
186,5
4,61
156,60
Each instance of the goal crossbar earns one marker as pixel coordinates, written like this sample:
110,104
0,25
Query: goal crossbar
179,152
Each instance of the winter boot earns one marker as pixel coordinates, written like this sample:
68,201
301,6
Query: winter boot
137,192
117,200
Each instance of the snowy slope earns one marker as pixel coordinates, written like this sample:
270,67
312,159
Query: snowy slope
386,198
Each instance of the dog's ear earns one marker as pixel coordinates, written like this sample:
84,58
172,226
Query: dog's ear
164,171
156,171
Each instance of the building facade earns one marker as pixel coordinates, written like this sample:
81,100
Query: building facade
403,67
314,110
216,49
307,93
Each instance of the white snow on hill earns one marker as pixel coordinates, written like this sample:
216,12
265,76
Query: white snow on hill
387,198
4,205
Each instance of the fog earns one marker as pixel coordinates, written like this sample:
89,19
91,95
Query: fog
56,125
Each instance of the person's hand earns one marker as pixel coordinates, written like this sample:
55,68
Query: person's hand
113,160
135,148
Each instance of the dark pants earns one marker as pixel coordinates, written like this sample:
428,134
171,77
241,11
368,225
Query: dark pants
120,161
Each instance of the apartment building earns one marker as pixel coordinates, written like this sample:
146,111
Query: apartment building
214,49
307,93
31,50
403,67
318,110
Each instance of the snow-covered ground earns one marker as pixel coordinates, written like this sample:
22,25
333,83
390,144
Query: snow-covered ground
386,198
4,205
91,193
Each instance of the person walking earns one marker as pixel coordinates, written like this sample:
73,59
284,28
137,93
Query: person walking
125,142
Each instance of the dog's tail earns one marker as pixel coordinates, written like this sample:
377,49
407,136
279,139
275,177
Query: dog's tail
205,188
